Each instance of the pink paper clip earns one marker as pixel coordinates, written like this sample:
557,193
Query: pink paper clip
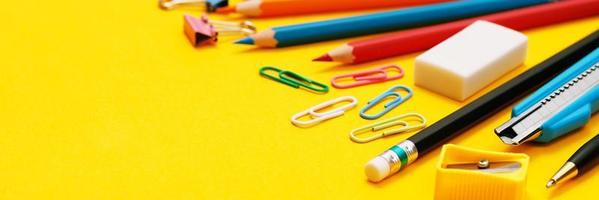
377,75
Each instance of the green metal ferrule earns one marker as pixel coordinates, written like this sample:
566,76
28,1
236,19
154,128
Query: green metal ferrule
403,157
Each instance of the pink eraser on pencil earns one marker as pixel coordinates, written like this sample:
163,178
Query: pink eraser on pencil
470,60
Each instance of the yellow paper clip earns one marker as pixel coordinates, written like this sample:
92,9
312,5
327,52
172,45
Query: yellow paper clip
402,120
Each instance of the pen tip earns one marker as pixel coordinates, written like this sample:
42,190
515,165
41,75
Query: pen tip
550,183
247,40
324,57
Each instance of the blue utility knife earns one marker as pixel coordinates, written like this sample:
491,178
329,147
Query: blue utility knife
559,107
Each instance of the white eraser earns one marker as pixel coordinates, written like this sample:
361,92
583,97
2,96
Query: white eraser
470,60
377,169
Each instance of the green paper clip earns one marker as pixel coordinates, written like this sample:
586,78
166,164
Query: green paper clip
293,79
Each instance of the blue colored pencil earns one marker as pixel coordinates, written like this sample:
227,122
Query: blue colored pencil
381,22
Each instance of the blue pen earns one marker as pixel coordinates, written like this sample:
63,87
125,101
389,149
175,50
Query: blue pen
562,105
381,22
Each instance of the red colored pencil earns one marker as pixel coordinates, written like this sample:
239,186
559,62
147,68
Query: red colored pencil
420,39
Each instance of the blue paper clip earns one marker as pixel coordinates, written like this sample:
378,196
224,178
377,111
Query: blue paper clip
389,106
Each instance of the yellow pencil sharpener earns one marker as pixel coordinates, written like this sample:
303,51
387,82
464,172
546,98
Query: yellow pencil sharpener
467,173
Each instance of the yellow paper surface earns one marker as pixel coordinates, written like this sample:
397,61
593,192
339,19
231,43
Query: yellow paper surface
108,100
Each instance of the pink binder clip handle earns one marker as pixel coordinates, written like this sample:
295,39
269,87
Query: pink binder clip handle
372,76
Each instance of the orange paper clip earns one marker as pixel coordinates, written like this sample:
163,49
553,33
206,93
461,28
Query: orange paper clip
377,75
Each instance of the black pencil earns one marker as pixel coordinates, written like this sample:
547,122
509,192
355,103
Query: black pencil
407,151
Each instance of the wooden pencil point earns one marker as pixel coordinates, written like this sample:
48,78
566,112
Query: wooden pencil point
323,58
247,40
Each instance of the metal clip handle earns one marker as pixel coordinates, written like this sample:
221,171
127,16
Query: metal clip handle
210,5
171,4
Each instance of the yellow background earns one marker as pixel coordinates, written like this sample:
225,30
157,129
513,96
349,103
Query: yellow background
108,100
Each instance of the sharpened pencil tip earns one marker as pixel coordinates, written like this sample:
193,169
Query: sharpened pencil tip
550,183
247,40
323,58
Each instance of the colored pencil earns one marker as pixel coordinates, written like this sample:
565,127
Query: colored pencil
419,39
380,22
270,8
